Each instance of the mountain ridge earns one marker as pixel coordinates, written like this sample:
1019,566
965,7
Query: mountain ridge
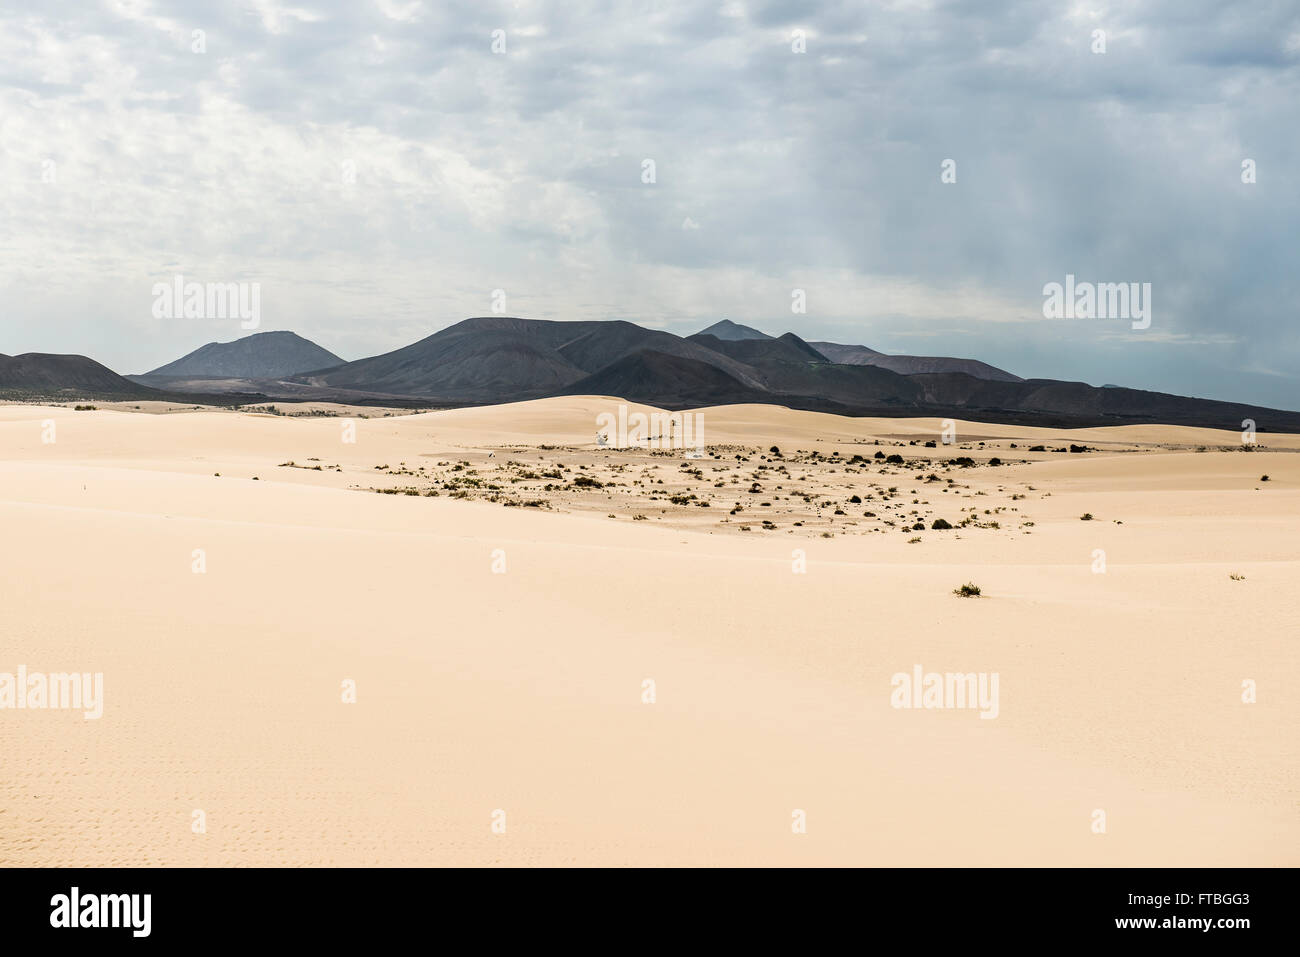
263,355
499,359
727,330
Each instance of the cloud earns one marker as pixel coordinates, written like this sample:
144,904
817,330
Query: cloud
380,170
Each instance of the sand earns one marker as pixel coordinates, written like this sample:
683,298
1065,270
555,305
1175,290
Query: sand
498,649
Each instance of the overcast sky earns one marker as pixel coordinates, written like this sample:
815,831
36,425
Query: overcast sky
380,170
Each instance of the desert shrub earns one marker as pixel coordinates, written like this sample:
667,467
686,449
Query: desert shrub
968,590
1263,478
1086,517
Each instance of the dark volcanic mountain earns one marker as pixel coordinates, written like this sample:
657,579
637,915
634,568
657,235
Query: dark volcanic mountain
789,348
667,381
912,365
848,355
498,359
1063,402
41,374
504,359
732,331
728,331
264,355
794,371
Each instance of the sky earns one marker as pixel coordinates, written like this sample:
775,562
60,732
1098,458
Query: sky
919,170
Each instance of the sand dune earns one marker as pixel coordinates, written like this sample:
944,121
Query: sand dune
481,690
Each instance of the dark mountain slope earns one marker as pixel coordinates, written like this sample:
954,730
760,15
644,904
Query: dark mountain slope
789,368
264,355
912,365
919,365
495,365
499,359
789,348
732,331
799,345
1081,403
502,359
667,381
848,355
594,345
44,374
